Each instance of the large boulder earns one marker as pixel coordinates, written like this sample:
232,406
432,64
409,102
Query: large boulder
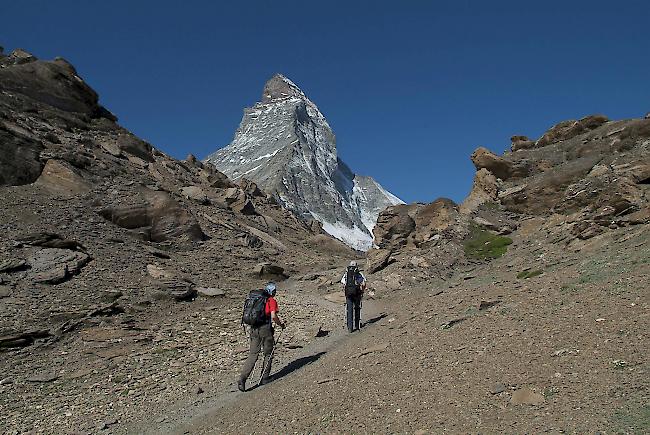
19,162
60,178
53,265
435,218
155,216
134,146
499,166
394,225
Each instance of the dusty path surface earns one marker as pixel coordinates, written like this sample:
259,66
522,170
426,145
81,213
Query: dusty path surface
288,362
564,351
292,356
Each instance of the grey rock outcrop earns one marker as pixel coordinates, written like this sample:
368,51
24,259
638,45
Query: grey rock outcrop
285,145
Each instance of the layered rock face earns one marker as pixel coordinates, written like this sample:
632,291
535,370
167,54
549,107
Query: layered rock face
582,178
286,146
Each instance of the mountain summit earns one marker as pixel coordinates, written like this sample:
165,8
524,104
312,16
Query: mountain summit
285,145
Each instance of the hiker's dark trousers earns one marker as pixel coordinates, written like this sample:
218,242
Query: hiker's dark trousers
353,308
260,337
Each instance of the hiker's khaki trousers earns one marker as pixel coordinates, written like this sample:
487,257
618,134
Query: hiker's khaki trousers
260,337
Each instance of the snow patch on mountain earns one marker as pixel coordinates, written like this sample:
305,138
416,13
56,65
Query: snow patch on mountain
286,146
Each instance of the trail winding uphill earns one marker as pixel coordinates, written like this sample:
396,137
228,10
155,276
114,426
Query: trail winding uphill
562,350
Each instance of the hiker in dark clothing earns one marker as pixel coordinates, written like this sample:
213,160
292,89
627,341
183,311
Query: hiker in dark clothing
354,284
261,334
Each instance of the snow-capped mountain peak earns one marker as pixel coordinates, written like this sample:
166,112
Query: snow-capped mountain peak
286,146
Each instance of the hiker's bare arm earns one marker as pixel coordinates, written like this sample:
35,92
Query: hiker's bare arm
277,319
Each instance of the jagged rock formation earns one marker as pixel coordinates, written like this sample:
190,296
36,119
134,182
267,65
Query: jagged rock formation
286,146
585,177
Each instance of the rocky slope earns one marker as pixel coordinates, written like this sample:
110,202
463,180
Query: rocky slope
586,176
122,270
286,146
523,310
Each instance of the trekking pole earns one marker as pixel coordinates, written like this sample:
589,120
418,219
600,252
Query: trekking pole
277,340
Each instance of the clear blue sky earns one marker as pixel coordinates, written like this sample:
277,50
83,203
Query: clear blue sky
409,87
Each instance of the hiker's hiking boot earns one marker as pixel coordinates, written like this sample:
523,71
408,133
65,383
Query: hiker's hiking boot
241,385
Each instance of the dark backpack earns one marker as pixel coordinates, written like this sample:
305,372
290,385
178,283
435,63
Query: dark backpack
255,309
352,289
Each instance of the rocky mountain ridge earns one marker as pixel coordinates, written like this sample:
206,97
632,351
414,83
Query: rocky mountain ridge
285,145
584,177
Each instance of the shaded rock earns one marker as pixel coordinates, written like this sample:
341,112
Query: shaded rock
448,324
378,259
195,193
53,83
394,224
246,207
22,339
53,265
251,240
19,159
60,178
49,240
484,305
12,265
157,253
270,271
637,218
111,295
130,144
586,229
192,160
178,289
210,291
19,57
155,216
525,396
418,261
215,178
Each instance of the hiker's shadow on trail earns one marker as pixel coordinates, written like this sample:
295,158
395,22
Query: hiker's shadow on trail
374,319
297,364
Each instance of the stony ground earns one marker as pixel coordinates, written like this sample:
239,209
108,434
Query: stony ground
563,352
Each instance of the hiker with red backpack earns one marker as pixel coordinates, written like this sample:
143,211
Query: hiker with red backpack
260,313
354,284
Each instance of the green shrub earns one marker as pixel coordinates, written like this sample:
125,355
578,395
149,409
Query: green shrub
529,273
484,245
